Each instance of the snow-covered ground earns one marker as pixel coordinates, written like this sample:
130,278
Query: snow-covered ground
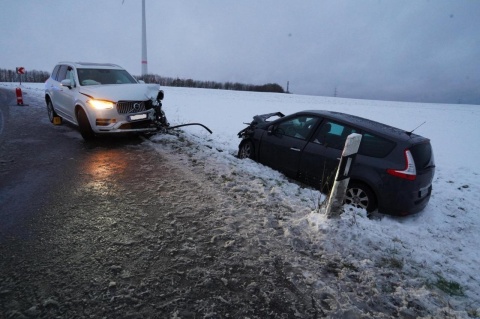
435,253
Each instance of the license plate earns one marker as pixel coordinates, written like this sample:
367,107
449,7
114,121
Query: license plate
137,117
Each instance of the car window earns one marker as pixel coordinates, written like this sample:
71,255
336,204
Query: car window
70,75
298,127
62,73
55,72
333,134
375,146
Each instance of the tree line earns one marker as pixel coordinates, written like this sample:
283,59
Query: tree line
235,86
41,76
29,76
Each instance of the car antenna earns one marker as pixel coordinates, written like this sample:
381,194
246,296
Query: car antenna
410,133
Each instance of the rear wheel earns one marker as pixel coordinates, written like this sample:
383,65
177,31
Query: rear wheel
361,196
84,125
246,150
51,111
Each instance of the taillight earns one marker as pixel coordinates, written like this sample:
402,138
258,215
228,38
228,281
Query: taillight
409,172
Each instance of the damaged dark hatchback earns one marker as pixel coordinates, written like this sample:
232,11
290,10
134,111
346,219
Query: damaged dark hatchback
392,173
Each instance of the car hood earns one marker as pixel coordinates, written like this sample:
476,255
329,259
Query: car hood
122,92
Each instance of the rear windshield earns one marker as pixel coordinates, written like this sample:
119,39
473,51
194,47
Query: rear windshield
422,155
104,76
374,146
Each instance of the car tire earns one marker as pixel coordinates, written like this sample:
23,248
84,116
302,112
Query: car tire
247,150
361,196
84,125
51,111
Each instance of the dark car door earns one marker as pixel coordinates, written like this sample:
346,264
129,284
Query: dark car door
281,147
321,156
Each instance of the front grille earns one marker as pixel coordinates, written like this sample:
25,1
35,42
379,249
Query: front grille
127,107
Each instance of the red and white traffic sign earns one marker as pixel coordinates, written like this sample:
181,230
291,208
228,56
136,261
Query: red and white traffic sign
21,70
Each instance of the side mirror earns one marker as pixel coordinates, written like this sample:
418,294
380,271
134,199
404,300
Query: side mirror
270,130
141,81
67,83
160,95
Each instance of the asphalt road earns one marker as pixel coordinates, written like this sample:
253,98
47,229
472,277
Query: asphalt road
31,158
39,160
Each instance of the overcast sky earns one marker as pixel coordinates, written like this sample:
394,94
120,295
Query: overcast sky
409,50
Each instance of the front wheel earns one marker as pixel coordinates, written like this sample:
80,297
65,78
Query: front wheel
51,111
246,150
361,196
84,125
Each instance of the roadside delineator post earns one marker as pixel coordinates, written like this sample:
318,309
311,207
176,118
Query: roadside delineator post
18,92
342,177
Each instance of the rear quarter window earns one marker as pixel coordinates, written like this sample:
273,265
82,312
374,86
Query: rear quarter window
375,146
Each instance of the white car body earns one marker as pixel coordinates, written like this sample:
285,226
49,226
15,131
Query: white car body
118,105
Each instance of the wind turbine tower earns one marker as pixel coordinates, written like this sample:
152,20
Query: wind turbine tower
144,41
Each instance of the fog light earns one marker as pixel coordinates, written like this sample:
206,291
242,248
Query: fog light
105,122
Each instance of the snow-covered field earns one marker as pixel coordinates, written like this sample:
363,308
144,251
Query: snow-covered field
434,255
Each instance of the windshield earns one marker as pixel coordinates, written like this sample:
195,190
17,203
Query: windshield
104,76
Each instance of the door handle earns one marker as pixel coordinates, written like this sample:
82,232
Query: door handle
295,149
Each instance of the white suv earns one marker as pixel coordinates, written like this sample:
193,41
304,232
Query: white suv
102,98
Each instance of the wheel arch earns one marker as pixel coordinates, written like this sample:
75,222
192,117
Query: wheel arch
77,108
367,184
246,140
84,123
